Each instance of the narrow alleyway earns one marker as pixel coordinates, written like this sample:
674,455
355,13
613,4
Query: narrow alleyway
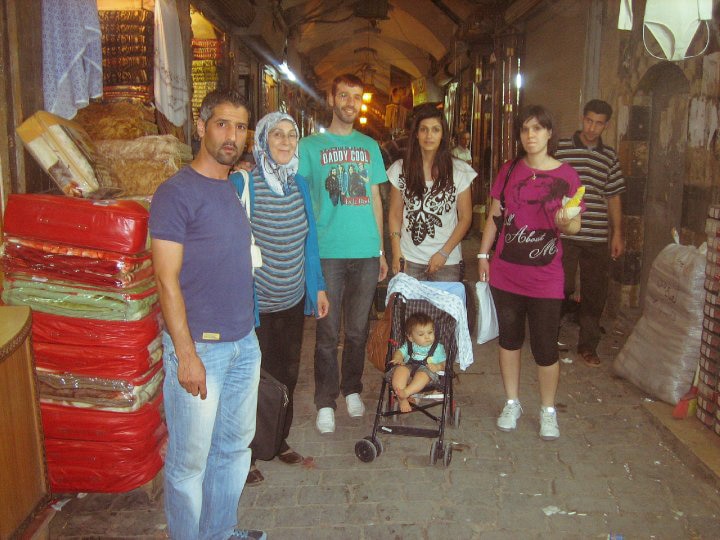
611,472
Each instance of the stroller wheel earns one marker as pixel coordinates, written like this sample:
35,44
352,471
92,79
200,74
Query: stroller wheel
365,450
456,417
447,455
377,443
435,452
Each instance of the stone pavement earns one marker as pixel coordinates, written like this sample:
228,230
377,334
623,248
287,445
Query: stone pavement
611,472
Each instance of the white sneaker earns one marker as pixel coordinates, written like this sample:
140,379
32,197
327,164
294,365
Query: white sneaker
325,421
549,430
355,406
507,421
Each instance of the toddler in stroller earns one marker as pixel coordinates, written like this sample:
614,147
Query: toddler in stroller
439,310
417,361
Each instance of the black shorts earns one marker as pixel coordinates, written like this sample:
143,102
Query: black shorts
543,316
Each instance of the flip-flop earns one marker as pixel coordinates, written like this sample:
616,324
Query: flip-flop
591,359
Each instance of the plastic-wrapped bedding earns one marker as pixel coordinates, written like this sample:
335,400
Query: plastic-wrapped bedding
62,422
97,361
662,352
118,395
76,331
104,467
109,225
72,300
92,267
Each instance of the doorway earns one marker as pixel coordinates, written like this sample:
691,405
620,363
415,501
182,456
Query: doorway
660,115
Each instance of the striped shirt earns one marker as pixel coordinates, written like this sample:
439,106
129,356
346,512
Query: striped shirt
280,226
600,173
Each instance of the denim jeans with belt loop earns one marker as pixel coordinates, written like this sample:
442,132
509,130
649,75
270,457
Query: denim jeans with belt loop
208,457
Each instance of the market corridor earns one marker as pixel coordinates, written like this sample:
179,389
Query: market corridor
611,472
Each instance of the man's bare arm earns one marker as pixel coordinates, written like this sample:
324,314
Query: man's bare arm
167,262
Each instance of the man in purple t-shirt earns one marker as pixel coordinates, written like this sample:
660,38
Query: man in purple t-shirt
201,255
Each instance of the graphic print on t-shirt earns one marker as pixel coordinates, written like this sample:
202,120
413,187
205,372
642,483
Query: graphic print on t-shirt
424,215
534,243
347,179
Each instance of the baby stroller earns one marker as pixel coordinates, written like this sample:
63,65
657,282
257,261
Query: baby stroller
445,304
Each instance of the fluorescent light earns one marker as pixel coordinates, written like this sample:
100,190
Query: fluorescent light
287,71
518,81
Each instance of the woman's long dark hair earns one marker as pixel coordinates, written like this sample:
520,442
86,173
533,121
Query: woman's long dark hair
442,169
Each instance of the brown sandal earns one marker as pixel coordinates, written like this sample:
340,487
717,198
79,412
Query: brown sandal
254,477
291,457
591,359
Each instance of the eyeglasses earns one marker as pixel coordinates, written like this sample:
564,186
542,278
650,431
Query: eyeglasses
279,135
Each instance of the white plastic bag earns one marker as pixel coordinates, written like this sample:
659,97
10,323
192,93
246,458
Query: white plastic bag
662,352
487,324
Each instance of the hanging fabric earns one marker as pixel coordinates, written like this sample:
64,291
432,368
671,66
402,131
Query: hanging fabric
72,55
672,23
171,87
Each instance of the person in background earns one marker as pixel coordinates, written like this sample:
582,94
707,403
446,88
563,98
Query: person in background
462,150
525,273
350,236
201,256
601,234
430,202
246,162
289,284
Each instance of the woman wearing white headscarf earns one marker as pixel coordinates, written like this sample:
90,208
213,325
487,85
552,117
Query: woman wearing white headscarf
289,284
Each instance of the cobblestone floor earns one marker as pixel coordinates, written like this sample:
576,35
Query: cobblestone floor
611,472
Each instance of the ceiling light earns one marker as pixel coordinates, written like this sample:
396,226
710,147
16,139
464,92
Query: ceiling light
367,97
287,71
363,107
363,120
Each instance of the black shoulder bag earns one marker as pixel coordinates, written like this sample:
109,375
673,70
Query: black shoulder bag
500,220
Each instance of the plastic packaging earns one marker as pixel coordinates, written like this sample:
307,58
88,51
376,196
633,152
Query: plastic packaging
94,392
48,260
62,422
62,298
77,331
487,323
104,467
662,352
98,361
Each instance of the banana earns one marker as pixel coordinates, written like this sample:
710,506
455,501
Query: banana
575,199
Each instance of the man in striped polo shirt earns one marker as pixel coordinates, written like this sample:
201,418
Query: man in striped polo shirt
601,231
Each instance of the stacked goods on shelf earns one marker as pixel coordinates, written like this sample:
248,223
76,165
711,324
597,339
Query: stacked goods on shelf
66,152
708,410
84,267
206,55
142,164
127,139
128,54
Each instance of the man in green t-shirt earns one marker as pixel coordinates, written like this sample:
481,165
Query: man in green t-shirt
350,225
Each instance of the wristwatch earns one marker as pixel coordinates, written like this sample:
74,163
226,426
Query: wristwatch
483,255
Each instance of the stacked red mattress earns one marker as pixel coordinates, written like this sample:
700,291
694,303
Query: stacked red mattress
84,267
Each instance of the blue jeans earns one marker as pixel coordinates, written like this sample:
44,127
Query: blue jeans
350,288
448,272
208,457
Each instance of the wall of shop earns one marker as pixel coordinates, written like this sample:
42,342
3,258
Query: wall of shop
20,92
666,133
553,61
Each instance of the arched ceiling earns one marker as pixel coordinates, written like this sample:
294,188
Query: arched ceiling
371,38
335,36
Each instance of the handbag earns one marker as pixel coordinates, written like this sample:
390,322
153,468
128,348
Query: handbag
500,220
255,254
